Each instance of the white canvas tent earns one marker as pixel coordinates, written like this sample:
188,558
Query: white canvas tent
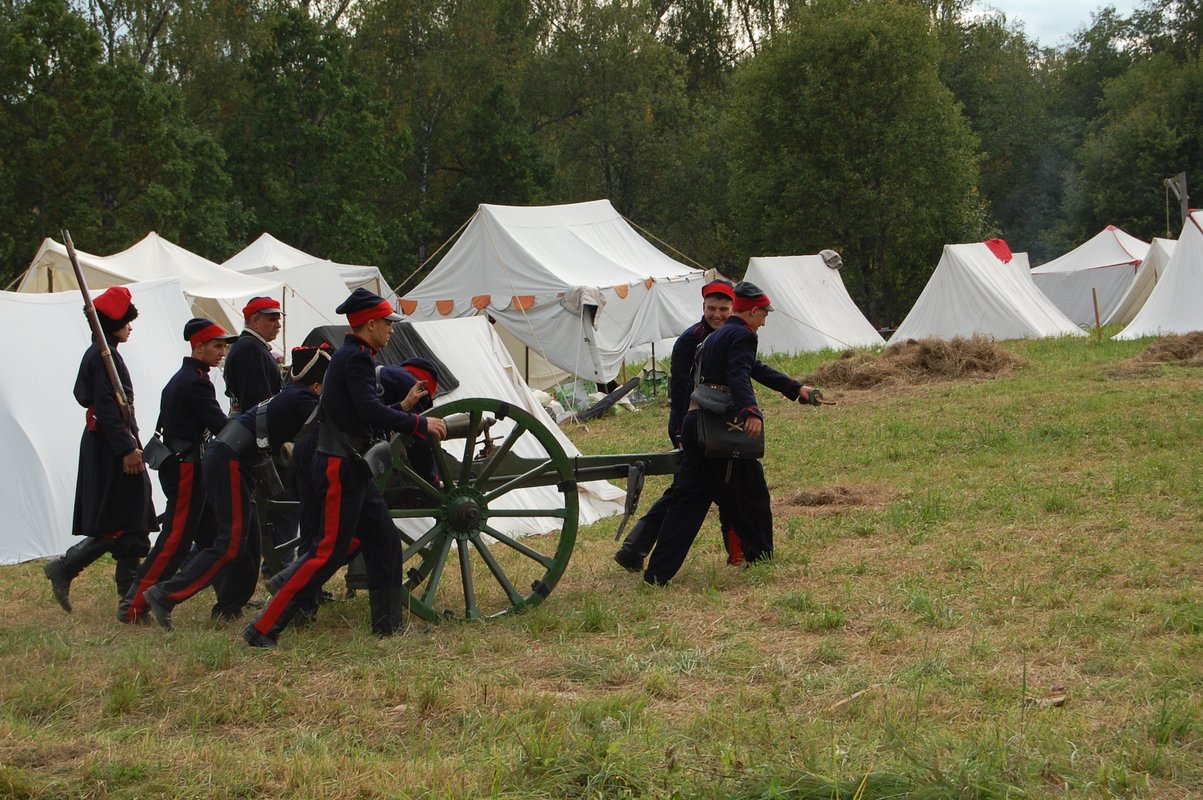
39,419
975,292
574,283
1104,265
813,308
1147,276
267,254
41,422
1176,303
308,292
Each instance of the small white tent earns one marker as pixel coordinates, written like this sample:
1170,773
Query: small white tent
213,292
308,292
39,419
1176,303
575,283
1104,265
813,308
267,254
1147,276
983,289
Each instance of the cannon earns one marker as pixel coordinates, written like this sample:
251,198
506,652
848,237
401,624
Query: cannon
460,566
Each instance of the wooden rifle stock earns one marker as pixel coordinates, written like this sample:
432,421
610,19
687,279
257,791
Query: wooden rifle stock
106,355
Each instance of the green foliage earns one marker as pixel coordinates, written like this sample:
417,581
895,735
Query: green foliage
843,136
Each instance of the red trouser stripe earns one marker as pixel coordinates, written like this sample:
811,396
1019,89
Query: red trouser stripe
321,556
735,551
231,551
179,523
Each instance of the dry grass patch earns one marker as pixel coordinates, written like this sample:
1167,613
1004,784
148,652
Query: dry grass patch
917,361
1186,350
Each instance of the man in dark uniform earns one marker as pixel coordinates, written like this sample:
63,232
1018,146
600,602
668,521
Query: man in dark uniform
188,414
229,482
727,360
251,372
113,510
351,503
409,387
717,297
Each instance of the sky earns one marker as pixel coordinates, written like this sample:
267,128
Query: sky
1050,22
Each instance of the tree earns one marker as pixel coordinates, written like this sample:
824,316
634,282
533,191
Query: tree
842,136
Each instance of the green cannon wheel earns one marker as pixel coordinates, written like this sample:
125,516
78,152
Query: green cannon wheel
463,567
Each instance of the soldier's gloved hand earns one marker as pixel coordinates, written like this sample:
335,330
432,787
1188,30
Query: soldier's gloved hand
813,397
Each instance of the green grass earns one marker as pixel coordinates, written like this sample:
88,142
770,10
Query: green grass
998,538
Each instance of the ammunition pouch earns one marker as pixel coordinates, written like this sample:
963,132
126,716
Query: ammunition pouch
185,449
267,477
235,436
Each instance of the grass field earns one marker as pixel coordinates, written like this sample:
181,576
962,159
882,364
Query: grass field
952,559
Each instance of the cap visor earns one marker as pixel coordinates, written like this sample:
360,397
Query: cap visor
229,338
769,307
394,317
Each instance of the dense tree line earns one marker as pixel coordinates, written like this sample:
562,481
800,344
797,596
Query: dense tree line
367,131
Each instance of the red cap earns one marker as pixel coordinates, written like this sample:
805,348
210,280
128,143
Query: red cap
198,330
748,303
114,302
719,287
264,305
432,385
379,311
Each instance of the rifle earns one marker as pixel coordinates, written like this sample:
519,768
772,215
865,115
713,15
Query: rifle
106,355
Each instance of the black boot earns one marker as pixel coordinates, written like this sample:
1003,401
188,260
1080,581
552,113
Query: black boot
636,546
380,606
124,574
61,571
159,605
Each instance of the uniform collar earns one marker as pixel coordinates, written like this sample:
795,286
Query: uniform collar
196,363
353,339
264,342
734,320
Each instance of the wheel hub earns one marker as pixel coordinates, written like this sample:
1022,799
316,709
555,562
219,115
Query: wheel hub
465,516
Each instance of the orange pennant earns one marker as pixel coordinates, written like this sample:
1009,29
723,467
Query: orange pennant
480,301
523,301
622,290
408,307
444,307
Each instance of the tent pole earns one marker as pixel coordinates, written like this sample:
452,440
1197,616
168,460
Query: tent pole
654,365
1098,326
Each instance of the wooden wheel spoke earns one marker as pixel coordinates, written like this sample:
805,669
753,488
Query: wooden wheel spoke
517,481
502,451
436,574
465,572
413,513
418,480
440,458
413,549
498,573
465,468
514,544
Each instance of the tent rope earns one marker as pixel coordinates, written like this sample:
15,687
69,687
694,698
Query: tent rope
663,243
1168,233
397,289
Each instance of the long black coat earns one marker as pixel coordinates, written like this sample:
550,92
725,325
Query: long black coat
106,499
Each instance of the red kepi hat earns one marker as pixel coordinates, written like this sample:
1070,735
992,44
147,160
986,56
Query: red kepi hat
199,330
363,306
261,305
114,302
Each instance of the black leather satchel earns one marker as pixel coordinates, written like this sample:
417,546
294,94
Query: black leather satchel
721,436
156,454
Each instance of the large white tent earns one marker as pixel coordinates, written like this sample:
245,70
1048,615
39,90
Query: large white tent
983,289
574,283
1147,276
1176,303
41,422
39,419
1103,266
813,308
267,254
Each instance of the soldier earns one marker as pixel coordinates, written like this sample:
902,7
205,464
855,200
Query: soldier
188,414
351,503
113,509
251,372
229,481
727,360
717,297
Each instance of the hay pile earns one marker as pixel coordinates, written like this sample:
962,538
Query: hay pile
1185,350
917,361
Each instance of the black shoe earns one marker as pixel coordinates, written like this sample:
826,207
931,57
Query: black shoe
629,560
60,584
159,606
254,638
